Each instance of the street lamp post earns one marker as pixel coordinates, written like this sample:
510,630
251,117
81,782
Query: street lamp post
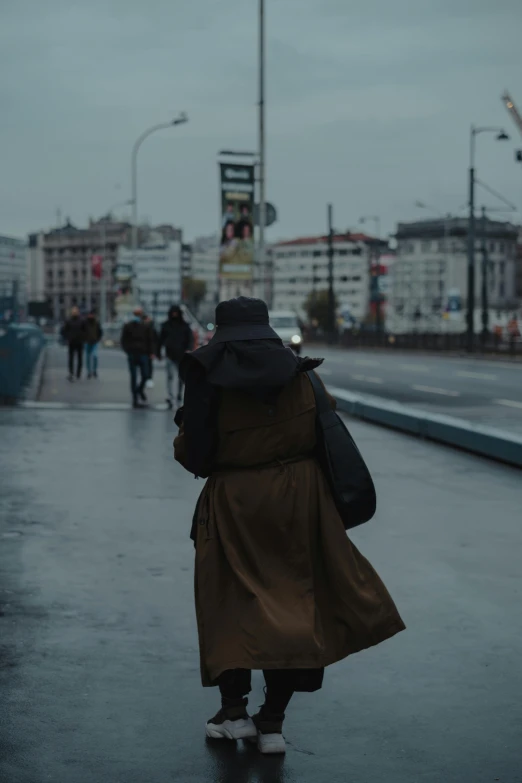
501,136
262,180
182,118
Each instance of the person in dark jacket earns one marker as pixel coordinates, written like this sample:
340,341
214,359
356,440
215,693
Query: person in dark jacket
93,335
73,333
279,586
137,342
176,338
155,337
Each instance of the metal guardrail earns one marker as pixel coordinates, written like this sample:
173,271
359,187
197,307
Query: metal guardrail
429,341
20,348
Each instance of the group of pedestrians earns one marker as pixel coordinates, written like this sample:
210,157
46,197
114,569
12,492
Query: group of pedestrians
142,343
82,335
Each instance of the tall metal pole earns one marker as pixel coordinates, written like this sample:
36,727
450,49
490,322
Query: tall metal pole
471,244
103,279
484,281
331,294
262,196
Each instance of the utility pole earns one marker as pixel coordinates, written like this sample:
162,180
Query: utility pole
103,278
484,285
471,246
262,181
331,294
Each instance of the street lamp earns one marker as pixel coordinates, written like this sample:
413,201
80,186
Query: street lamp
501,136
179,120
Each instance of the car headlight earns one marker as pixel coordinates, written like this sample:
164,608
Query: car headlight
296,339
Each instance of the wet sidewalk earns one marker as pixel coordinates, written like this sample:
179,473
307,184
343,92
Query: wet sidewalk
99,679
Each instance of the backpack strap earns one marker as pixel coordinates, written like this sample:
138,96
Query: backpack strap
322,403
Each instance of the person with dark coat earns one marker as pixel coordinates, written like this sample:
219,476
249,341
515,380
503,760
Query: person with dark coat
176,338
137,342
279,586
73,333
93,335
155,337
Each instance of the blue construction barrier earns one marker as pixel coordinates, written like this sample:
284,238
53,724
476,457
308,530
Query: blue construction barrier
20,348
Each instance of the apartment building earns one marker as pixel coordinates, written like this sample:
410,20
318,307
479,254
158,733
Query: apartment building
13,278
300,266
430,271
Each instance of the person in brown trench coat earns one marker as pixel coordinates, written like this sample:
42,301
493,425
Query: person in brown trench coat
279,586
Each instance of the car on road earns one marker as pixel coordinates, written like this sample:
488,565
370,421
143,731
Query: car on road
286,326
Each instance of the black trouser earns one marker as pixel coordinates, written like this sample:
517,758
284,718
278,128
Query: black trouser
235,684
75,349
138,362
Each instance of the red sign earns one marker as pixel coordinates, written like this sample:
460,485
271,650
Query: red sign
97,266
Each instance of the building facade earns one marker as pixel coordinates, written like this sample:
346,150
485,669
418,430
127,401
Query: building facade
157,272
428,291
13,278
300,266
63,257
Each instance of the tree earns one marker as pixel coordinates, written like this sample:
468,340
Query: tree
194,292
316,308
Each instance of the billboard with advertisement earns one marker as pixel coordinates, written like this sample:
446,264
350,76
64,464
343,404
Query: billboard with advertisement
236,251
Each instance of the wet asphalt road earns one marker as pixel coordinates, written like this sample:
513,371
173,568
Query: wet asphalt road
99,679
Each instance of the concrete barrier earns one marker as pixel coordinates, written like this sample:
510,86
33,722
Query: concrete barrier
20,349
475,438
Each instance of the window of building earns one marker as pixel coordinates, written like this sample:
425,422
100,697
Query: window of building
344,279
426,246
60,273
492,247
502,289
316,253
356,278
501,247
342,252
502,268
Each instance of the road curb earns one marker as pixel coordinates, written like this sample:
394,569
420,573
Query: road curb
34,387
449,430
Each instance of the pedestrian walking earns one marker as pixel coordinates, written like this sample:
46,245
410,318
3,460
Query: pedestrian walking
279,586
73,333
93,335
136,341
154,336
176,338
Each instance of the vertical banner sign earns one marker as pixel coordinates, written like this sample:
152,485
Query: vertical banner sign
236,251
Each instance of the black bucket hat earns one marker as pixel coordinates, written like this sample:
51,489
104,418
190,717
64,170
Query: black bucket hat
242,319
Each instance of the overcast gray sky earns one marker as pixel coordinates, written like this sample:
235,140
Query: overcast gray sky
369,104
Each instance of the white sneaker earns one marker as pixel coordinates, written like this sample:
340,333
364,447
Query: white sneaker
223,727
271,743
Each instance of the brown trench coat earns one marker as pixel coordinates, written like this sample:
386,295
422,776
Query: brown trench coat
278,583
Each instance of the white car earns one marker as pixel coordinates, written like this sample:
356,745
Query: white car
286,326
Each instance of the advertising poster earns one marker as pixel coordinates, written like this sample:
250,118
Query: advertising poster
236,251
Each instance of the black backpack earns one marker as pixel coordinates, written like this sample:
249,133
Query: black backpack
350,481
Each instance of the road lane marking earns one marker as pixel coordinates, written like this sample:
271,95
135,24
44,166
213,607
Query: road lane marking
509,403
485,376
415,367
435,390
367,378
